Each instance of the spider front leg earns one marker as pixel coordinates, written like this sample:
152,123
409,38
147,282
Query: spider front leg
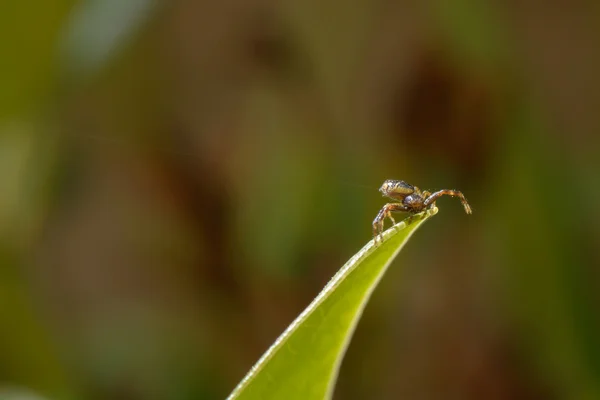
430,200
385,212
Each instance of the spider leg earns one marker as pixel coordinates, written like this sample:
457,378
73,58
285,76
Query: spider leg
430,200
385,212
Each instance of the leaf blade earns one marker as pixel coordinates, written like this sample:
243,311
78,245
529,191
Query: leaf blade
304,361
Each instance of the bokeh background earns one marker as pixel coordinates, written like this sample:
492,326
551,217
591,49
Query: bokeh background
179,179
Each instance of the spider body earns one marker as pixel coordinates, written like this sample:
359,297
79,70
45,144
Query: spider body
409,199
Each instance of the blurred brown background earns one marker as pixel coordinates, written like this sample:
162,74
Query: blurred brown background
179,179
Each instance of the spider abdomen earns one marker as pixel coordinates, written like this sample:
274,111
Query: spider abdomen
413,201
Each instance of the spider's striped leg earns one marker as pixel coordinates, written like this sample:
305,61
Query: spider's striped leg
385,212
446,192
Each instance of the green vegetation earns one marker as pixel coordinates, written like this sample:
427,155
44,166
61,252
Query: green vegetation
179,179
303,363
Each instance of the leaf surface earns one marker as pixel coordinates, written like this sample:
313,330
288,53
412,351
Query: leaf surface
303,363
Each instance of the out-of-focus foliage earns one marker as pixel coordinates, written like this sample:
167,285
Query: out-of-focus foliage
304,362
179,179
99,29
29,33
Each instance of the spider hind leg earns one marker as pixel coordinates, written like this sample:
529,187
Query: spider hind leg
431,199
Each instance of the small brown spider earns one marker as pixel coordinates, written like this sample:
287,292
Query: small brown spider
411,200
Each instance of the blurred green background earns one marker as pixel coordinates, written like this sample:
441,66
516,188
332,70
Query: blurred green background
179,179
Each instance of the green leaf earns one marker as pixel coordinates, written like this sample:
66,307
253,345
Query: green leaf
303,363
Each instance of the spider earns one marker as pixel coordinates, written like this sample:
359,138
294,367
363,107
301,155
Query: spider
411,199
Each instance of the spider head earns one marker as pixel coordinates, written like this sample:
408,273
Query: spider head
384,188
396,189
